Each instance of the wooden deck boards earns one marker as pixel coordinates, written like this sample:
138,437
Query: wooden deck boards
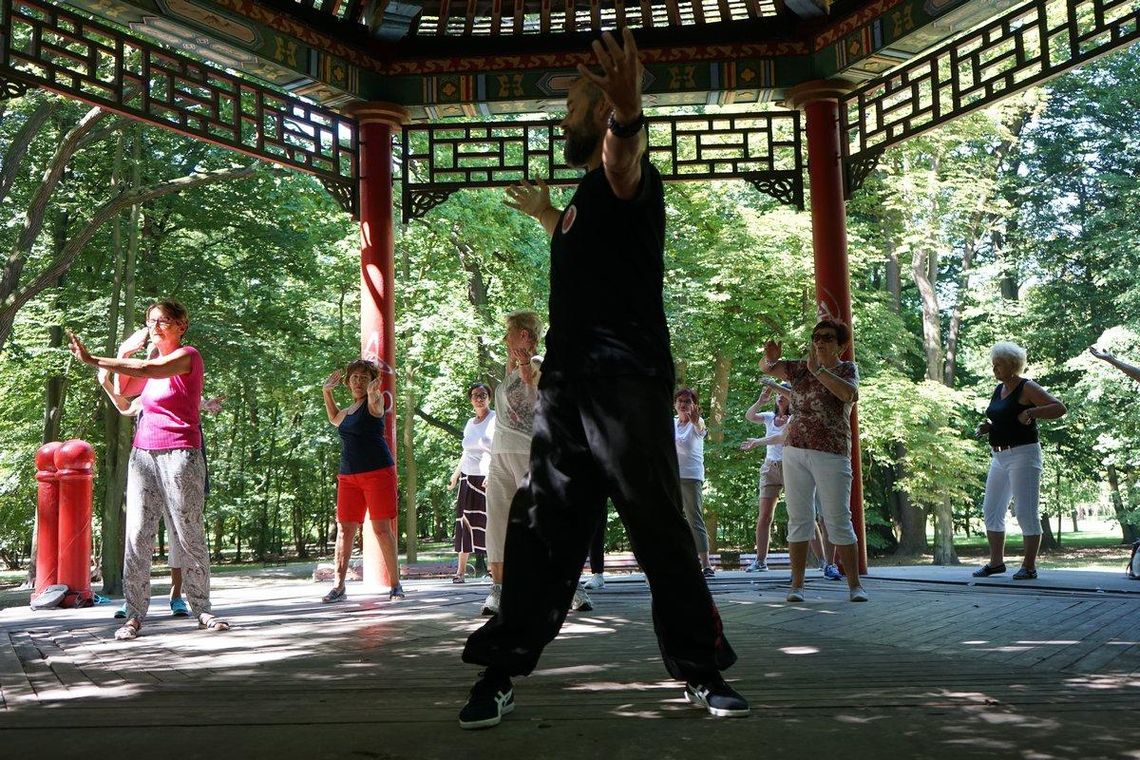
921,671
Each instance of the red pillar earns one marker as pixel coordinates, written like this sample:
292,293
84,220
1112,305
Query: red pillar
378,123
74,462
47,518
820,103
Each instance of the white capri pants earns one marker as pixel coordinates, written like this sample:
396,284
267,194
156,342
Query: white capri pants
504,476
828,477
1014,473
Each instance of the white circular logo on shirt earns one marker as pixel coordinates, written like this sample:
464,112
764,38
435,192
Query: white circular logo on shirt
568,219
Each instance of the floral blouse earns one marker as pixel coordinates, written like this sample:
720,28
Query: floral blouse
820,421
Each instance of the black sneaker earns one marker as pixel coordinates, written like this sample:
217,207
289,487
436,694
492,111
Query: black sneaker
1025,574
985,571
720,699
491,698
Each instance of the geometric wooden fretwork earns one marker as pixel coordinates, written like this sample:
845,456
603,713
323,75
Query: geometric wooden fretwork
1019,49
45,46
763,148
11,89
856,169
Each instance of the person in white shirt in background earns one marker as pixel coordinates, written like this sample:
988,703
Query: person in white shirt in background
470,475
689,434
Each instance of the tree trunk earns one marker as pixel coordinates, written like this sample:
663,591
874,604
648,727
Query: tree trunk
950,370
717,407
910,518
944,553
411,521
1129,532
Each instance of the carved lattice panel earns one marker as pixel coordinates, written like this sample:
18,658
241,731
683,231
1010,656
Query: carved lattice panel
1017,50
762,148
48,47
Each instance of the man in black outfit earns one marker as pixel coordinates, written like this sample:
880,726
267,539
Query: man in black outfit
603,427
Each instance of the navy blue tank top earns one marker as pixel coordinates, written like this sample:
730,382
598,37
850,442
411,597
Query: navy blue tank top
363,447
1005,430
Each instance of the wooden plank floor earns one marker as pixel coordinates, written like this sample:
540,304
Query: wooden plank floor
925,670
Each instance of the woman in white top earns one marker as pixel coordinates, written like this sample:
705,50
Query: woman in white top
471,475
689,435
772,471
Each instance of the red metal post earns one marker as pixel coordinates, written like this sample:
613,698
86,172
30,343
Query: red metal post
47,518
378,122
820,103
74,462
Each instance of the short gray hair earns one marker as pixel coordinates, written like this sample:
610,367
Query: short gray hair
1010,352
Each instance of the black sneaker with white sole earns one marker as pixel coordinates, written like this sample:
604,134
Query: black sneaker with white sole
720,699
491,698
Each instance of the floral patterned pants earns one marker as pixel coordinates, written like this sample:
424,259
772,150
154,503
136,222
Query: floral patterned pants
171,481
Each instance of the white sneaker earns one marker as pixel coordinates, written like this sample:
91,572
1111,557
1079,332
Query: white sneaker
491,603
756,566
581,602
595,582
858,594
796,594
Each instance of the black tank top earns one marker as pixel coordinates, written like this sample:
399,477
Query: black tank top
1005,430
363,447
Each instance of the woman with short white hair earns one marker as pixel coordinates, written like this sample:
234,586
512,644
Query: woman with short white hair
1015,462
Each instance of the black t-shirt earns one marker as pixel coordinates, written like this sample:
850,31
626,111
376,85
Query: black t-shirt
1005,430
607,271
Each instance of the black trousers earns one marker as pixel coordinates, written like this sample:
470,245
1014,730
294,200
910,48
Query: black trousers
598,548
607,437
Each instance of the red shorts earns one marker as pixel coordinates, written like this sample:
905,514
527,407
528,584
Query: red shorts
373,491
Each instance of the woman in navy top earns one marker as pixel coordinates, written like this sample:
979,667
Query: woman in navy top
1015,464
366,480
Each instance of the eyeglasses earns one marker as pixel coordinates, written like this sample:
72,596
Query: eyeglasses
824,338
160,322
479,395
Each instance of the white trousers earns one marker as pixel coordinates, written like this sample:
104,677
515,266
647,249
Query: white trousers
828,477
1014,474
504,476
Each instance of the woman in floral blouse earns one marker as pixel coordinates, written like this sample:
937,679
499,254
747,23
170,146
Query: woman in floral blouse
817,452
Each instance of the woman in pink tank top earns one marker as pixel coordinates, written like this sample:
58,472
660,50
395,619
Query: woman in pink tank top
167,471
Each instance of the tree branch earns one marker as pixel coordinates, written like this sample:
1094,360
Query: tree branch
20,144
437,422
129,197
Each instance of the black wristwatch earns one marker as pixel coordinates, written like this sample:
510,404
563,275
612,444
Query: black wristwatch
627,130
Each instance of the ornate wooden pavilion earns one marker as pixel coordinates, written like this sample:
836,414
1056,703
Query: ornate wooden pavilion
349,89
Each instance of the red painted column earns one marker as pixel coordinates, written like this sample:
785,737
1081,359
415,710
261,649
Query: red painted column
47,517
378,123
74,463
820,103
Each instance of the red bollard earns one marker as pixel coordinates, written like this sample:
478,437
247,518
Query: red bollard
73,462
47,518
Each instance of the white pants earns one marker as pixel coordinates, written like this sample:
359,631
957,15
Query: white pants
166,482
504,476
828,477
1014,473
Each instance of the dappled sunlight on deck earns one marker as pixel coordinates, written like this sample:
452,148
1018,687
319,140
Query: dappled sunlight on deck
920,671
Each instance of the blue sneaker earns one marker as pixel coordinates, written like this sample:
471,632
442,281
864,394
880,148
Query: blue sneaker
831,572
178,608
121,613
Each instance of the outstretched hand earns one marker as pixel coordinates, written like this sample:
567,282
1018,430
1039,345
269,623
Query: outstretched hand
1104,355
531,199
750,444
134,342
333,380
621,74
78,350
213,405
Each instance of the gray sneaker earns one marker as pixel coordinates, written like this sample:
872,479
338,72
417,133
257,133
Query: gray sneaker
595,582
795,594
581,602
491,603
756,566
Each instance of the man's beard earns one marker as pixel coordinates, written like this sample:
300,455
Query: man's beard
581,142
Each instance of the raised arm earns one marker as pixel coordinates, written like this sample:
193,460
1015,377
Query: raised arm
772,363
534,200
379,400
772,440
1129,369
753,414
625,140
175,363
331,409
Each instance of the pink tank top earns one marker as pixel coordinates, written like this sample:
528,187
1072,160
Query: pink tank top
170,409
